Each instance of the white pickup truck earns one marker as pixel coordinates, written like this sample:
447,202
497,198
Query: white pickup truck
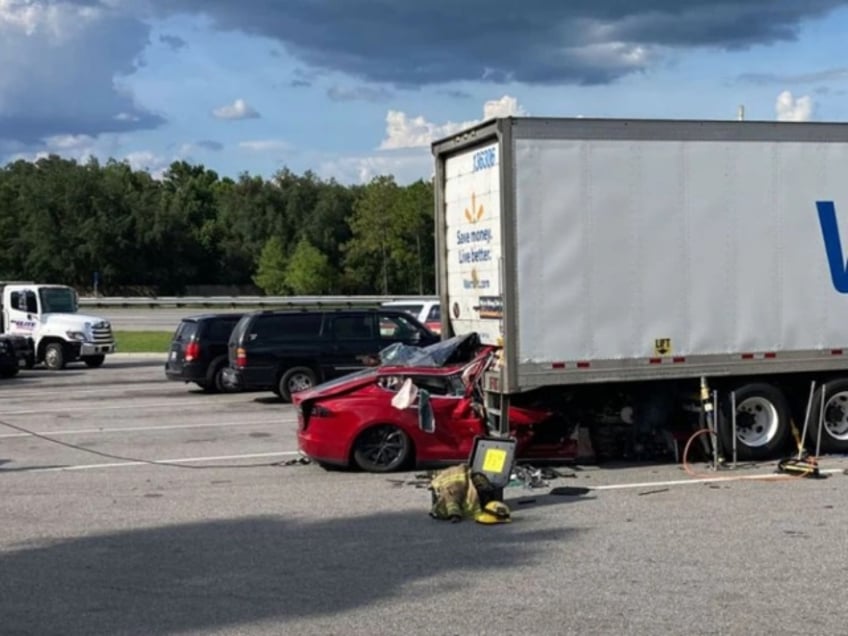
47,314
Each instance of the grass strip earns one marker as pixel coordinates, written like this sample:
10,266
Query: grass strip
143,341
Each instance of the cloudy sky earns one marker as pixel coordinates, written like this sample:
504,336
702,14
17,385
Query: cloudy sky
354,88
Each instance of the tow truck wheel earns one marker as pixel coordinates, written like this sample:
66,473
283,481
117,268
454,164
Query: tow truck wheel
382,449
834,424
54,356
762,422
93,362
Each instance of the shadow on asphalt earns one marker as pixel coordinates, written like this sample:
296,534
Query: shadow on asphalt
270,399
210,575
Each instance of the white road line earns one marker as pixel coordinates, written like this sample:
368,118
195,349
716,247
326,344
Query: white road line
708,480
182,460
129,404
103,390
127,429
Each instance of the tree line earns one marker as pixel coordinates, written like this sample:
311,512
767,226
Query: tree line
63,221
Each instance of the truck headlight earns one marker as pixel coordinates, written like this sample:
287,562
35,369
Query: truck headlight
75,335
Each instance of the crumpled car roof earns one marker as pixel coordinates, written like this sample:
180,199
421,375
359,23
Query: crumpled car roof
454,350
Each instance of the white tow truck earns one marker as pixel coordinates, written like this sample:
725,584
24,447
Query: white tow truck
47,314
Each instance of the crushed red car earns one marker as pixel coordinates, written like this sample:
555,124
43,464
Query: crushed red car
419,406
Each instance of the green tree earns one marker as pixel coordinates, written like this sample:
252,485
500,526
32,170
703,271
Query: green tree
271,268
391,238
308,271
372,235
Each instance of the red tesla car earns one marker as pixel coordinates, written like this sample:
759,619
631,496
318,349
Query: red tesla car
352,420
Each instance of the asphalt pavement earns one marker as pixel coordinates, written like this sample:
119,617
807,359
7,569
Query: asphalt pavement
223,538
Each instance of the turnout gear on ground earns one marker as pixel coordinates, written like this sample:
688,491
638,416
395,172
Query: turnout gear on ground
486,492
454,494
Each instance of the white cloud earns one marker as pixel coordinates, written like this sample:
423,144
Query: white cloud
265,145
239,109
69,142
788,108
404,166
506,106
147,160
403,131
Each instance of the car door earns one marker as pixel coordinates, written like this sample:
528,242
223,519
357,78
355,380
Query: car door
23,313
355,342
455,423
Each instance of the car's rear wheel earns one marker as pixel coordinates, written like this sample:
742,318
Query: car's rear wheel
294,380
382,449
215,378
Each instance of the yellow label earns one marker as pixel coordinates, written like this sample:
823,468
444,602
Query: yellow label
494,460
662,347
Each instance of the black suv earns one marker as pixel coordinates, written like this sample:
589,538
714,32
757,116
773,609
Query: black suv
290,351
199,350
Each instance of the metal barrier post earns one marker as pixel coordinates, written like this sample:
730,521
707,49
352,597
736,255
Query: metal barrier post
807,419
733,423
715,430
821,422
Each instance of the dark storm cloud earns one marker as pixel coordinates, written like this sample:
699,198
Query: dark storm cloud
174,42
544,42
827,75
358,94
60,64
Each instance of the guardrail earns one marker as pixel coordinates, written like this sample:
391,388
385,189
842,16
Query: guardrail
242,301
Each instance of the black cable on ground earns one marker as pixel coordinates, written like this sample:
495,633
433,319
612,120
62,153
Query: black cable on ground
136,459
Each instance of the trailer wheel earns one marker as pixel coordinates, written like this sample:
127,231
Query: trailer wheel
762,422
834,433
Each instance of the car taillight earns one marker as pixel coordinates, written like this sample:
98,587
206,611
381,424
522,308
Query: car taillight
192,351
320,411
241,358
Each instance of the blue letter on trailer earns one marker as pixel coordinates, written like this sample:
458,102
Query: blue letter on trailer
833,245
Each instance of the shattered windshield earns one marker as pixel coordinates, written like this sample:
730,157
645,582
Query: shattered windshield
57,300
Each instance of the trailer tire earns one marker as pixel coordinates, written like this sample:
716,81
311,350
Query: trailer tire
762,422
834,434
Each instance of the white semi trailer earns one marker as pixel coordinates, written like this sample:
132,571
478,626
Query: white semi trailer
620,262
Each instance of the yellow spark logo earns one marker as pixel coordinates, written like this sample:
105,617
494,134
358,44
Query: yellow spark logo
476,212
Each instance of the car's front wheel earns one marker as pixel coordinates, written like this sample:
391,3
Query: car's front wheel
54,356
382,449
